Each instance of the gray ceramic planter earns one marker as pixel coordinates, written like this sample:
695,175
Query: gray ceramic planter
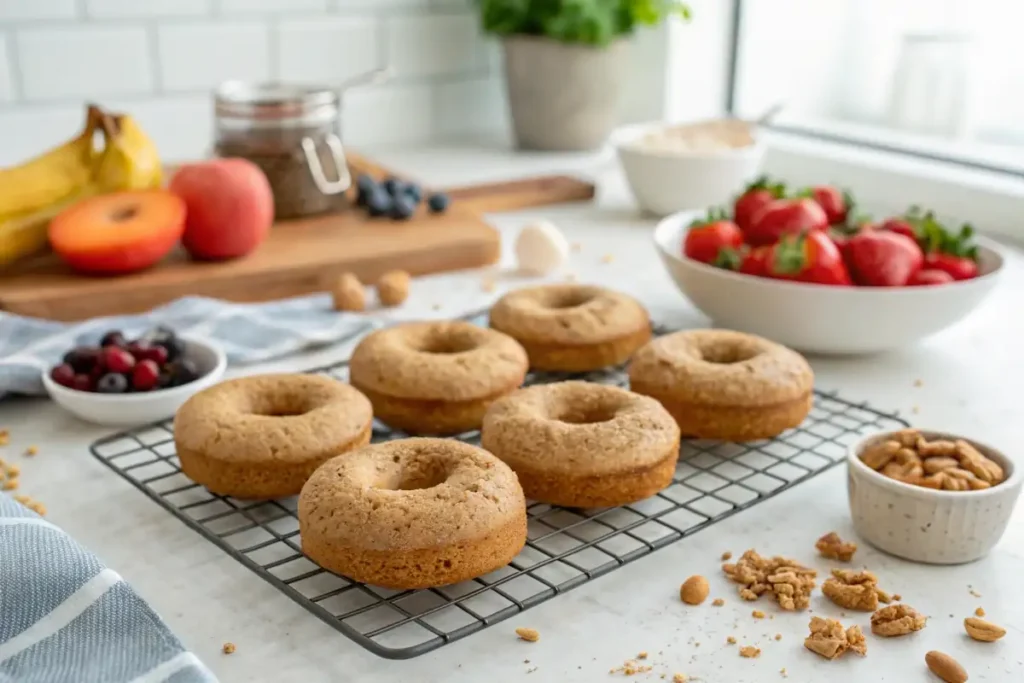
563,97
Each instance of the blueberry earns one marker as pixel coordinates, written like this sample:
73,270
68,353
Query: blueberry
415,191
175,347
438,202
112,383
403,207
379,202
182,371
365,185
113,338
393,186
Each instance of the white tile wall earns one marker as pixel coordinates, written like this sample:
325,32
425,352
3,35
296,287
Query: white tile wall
159,60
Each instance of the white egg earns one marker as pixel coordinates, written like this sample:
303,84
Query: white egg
541,248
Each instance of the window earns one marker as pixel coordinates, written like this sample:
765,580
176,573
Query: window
943,79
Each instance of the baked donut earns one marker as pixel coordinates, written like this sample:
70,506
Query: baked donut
572,328
413,513
725,385
582,444
437,377
262,436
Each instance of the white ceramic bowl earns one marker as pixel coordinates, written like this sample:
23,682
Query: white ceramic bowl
124,410
665,182
819,318
923,525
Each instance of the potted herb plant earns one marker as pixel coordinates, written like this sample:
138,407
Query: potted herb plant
564,63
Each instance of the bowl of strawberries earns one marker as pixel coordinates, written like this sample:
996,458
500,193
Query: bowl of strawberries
807,270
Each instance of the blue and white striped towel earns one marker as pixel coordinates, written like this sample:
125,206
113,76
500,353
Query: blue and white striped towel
248,333
65,618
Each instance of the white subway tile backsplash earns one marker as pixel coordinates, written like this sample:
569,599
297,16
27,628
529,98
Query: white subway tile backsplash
477,105
392,114
421,45
103,9
181,125
6,86
246,6
37,9
83,61
326,50
36,129
200,56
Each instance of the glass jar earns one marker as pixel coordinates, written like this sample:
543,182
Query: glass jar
292,134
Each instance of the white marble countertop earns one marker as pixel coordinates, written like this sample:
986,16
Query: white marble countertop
965,380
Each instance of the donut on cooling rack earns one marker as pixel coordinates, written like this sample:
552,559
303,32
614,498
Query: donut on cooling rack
572,328
262,436
413,513
437,377
725,385
582,444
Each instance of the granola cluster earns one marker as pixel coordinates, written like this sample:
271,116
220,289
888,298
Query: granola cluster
855,590
941,464
831,640
790,582
834,548
896,620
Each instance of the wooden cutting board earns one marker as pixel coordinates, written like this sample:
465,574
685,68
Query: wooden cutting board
298,257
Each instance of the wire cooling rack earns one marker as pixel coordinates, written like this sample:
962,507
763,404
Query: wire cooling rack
565,547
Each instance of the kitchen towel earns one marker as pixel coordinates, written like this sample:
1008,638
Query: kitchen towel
65,618
248,333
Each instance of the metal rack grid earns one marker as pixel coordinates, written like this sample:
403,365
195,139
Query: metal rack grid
565,548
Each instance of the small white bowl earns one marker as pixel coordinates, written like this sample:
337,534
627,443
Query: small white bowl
667,181
924,525
819,318
130,410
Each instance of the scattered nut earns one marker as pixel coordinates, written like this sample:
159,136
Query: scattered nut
393,288
348,293
982,630
945,667
853,590
718,602
750,652
896,620
835,548
940,464
778,636
694,590
530,635
830,639
787,579
757,614
731,640
979,612
228,648
726,556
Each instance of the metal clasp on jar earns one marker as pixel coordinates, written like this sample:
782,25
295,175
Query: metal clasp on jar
316,169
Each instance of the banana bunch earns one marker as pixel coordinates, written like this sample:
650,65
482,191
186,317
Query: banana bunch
34,192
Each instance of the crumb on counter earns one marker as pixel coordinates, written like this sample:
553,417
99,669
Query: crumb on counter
679,678
31,450
642,655
980,612
778,636
726,556
530,635
918,383
757,614
12,470
750,652
229,648
718,602
607,258
731,640
783,672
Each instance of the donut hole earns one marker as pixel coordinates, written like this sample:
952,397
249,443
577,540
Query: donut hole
570,298
453,342
726,354
585,415
279,405
415,475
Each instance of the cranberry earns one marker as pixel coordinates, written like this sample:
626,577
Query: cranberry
157,354
113,338
138,349
116,359
63,375
84,383
82,358
112,383
145,376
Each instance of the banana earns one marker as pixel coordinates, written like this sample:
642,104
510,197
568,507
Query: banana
52,176
127,161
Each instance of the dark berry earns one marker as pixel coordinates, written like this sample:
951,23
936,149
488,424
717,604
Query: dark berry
164,381
113,338
393,186
174,349
112,383
183,371
365,185
145,376
438,202
82,358
158,335
137,348
84,383
379,202
415,191
116,359
157,354
63,375
403,207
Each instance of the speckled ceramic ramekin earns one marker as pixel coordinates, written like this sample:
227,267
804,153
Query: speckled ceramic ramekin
924,525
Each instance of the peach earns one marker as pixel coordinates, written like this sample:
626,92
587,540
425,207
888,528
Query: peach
230,207
118,233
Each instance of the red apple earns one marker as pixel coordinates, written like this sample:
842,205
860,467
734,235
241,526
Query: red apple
118,233
230,207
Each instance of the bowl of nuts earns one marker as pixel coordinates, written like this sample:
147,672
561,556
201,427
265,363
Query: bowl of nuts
929,496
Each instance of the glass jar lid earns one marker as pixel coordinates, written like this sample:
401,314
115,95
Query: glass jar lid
275,104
